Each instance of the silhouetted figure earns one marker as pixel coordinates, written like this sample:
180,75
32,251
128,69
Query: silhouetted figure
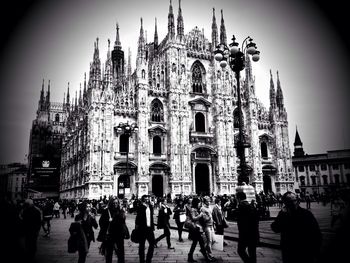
163,222
47,216
300,234
112,230
31,227
219,220
179,214
145,226
248,229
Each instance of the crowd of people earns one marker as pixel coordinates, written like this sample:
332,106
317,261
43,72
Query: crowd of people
203,217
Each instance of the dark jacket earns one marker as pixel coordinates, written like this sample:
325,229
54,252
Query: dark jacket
77,237
115,229
31,220
248,223
164,217
141,221
177,211
218,217
301,237
87,226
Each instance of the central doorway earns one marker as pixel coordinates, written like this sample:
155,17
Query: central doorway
157,185
123,185
267,183
202,179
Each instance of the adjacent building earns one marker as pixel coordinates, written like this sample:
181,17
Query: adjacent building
13,180
184,106
318,173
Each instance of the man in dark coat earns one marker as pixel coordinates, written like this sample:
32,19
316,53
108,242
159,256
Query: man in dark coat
112,229
301,237
145,227
218,218
163,222
31,226
248,229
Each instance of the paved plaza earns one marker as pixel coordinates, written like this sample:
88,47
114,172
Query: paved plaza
54,249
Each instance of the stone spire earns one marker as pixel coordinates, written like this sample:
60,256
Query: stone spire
171,24
129,63
272,92
279,94
214,32
41,101
68,98
108,67
95,67
80,97
141,48
298,145
117,43
223,38
180,24
155,34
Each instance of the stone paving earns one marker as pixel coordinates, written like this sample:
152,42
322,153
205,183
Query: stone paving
54,249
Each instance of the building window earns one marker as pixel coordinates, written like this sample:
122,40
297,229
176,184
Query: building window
264,150
157,111
313,180
197,79
200,122
347,178
335,167
325,179
236,119
336,179
57,117
323,167
301,168
124,143
312,167
346,166
302,180
157,145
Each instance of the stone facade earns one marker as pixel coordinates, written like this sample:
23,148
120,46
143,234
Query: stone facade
184,105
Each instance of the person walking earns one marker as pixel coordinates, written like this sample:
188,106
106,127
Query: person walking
301,237
56,210
208,223
180,217
88,222
308,200
218,217
163,223
47,216
145,227
248,229
31,217
195,230
113,230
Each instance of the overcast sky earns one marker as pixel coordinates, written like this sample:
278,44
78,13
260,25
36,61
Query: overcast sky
55,39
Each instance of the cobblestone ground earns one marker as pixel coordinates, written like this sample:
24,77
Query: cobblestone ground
54,249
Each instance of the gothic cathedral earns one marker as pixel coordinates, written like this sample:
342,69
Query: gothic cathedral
181,107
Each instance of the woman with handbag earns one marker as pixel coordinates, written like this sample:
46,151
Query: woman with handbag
87,222
113,230
195,231
180,217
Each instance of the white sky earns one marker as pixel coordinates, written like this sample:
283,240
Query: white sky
55,41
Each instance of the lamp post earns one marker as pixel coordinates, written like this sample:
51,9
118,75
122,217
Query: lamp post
236,57
127,130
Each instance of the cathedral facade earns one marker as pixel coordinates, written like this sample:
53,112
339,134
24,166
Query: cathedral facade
183,106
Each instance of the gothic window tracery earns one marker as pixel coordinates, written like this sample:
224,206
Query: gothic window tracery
264,152
197,79
157,111
57,117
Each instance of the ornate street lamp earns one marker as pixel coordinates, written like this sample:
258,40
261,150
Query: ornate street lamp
127,130
236,58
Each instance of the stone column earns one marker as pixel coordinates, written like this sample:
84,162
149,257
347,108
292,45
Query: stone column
194,177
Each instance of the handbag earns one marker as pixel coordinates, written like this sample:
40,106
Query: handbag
72,244
218,242
182,218
224,223
135,236
189,224
126,232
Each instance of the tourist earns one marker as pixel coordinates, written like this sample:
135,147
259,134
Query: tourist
179,216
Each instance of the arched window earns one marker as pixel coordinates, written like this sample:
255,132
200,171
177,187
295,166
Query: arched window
124,143
302,180
157,145
200,122
157,111
325,179
336,179
264,150
236,119
57,117
197,79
